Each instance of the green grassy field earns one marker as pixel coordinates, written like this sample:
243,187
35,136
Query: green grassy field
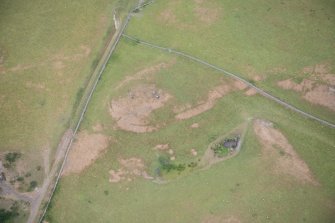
275,40
48,51
243,188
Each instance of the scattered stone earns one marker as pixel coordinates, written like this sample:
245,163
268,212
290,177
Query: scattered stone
194,152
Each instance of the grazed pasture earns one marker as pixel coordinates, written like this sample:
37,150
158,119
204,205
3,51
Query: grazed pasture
48,51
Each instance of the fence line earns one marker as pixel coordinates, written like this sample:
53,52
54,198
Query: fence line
235,76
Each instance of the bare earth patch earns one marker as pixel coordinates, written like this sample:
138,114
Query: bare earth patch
205,14
57,62
129,170
304,86
321,72
194,126
275,144
36,86
250,92
168,17
253,74
145,73
98,127
131,112
213,95
58,65
317,69
221,219
85,151
311,91
161,147
46,160
328,78
321,95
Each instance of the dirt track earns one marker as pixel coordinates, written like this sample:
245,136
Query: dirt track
63,148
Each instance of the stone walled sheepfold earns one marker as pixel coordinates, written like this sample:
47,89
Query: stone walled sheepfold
231,143
225,146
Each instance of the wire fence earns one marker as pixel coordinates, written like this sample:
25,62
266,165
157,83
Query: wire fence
235,76
93,82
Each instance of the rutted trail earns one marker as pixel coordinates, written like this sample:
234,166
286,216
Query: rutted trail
61,156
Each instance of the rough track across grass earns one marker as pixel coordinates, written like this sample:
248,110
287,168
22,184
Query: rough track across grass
110,49
235,76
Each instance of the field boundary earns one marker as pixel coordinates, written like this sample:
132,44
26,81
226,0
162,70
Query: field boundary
98,71
235,76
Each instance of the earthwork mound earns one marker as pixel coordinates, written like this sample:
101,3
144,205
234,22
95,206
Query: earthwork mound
318,88
129,170
213,95
275,145
132,111
85,150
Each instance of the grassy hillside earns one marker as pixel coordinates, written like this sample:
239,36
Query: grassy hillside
260,40
243,188
48,51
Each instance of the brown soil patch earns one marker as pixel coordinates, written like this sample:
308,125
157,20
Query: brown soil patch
2,58
145,73
308,70
250,92
213,95
57,61
58,65
168,15
253,74
129,170
166,149
328,78
304,86
194,126
321,95
131,112
162,147
275,145
221,219
85,151
239,85
317,69
21,67
84,51
311,91
98,127
181,108
321,68
36,86
46,160
2,70
205,14
321,72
